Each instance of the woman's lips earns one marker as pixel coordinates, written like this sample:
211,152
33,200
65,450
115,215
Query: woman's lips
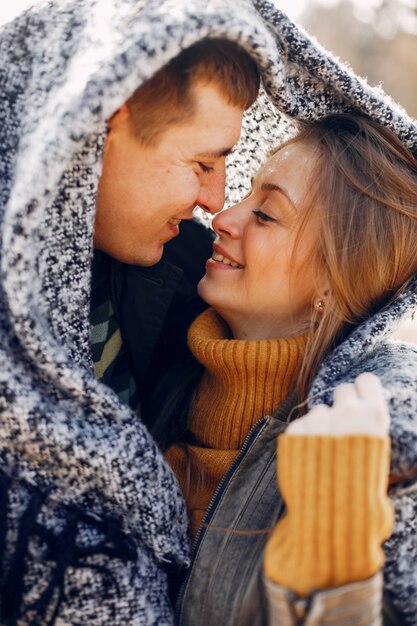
222,258
211,264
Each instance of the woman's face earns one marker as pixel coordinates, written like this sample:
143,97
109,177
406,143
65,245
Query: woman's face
259,283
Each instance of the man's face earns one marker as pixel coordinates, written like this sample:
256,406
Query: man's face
145,191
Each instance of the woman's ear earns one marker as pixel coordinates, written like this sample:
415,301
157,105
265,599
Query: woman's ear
321,302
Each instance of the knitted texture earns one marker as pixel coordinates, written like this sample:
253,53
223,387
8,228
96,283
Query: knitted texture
242,381
338,511
77,467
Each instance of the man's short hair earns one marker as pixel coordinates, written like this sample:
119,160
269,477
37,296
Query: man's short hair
166,98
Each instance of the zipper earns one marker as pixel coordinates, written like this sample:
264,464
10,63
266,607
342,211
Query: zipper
281,414
253,433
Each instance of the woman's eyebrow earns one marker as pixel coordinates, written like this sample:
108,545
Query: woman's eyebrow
274,187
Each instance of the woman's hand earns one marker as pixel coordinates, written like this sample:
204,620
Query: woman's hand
358,408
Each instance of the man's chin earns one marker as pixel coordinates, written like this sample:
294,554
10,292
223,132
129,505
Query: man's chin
143,258
146,260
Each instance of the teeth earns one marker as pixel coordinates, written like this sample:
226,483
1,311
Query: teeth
174,221
222,259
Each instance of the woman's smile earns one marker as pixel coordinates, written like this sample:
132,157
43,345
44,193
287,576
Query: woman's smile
222,260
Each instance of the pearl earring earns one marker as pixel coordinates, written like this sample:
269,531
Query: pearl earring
319,305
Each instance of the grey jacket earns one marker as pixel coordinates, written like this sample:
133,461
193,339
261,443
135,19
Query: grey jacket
226,585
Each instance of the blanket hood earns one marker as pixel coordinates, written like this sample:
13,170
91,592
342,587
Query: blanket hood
65,67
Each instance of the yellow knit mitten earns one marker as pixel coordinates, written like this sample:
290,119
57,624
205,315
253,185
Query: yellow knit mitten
338,511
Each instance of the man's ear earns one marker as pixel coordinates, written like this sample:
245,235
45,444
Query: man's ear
121,116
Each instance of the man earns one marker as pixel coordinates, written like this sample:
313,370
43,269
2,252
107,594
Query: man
91,513
164,155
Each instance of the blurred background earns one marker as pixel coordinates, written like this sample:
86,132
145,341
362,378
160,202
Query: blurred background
377,38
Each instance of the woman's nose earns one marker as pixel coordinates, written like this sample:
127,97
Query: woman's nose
230,222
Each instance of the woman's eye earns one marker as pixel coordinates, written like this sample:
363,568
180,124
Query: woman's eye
263,217
207,169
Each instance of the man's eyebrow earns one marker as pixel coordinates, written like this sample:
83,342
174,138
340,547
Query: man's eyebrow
214,154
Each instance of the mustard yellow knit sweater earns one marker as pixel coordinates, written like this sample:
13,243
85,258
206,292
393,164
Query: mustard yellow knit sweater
334,488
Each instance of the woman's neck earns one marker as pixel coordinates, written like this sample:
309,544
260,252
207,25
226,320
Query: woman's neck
258,329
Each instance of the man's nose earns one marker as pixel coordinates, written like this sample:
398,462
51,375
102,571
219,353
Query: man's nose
212,190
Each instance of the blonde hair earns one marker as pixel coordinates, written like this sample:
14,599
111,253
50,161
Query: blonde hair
364,186
167,97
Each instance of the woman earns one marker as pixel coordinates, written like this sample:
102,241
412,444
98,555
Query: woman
303,273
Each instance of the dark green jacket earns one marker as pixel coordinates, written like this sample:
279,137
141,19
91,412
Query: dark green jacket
155,305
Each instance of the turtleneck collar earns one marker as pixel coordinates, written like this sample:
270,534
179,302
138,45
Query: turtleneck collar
243,380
